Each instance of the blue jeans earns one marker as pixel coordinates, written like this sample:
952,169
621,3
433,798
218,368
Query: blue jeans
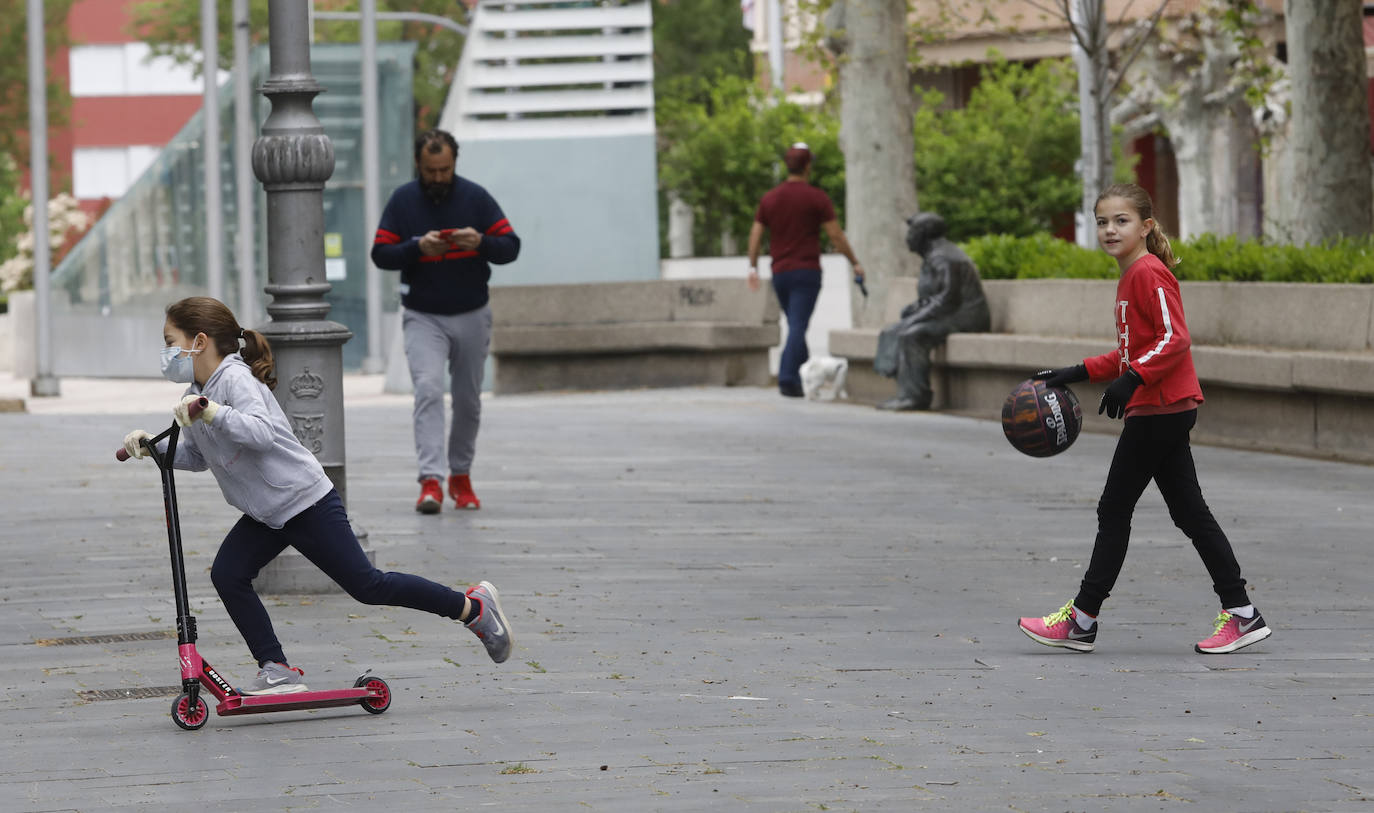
323,535
797,292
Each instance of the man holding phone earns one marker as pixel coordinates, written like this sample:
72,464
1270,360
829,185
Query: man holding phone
442,232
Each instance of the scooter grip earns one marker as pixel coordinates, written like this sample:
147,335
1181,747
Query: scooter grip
197,406
121,454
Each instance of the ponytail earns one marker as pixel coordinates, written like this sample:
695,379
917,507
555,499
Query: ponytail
258,353
1157,243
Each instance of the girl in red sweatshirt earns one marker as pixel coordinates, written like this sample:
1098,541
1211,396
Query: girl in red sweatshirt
1153,385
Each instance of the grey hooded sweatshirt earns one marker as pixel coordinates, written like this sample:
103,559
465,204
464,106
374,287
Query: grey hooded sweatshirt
261,467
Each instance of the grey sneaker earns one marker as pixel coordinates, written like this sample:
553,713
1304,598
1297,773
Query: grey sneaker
277,678
491,625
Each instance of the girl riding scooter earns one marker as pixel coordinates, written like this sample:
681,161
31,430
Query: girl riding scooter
244,438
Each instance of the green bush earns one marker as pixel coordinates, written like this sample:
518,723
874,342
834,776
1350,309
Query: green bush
1229,258
1206,257
1003,256
1005,162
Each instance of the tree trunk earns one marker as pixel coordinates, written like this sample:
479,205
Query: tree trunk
1329,135
876,136
1216,151
1089,18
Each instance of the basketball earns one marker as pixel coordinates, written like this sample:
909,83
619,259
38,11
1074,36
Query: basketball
1041,421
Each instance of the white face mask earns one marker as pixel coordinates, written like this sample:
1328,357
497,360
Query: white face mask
178,368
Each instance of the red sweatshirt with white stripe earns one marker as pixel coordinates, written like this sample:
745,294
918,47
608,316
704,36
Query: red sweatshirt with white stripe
1152,337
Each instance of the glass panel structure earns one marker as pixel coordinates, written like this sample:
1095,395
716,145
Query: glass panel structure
148,249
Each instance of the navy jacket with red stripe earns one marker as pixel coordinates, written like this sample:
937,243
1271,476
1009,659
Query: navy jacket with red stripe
455,282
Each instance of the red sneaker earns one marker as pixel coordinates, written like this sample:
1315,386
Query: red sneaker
460,489
431,497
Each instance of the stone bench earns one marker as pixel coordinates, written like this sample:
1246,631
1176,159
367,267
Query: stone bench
1284,367
620,335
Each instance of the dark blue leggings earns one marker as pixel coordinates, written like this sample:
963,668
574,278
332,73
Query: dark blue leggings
323,535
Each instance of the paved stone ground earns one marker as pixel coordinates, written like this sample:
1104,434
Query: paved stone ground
723,600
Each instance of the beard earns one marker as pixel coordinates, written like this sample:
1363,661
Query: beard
436,192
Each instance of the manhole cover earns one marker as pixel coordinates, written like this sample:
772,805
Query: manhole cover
112,638
136,693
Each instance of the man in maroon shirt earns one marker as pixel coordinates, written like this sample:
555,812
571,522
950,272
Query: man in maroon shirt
795,212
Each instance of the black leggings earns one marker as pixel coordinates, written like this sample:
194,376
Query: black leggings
323,535
1155,447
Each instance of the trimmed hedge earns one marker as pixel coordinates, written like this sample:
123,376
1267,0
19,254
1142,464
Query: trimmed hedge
1203,258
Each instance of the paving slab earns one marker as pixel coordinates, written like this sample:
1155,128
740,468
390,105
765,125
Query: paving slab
723,600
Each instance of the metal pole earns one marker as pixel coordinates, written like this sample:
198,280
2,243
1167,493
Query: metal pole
243,166
293,158
214,213
775,43
372,362
44,382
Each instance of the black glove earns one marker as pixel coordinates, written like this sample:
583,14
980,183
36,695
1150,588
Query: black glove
1062,376
1119,394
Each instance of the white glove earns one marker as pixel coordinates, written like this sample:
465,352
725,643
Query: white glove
133,443
182,410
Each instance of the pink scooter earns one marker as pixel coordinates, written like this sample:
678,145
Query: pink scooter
190,710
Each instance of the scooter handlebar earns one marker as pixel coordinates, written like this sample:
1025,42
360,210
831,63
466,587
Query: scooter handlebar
193,410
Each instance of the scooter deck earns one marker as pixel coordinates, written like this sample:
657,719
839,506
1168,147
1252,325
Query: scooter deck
260,703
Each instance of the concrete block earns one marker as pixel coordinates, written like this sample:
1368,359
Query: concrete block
592,303
865,386
1348,373
1264,420
1261,368
23,321
6,342
1019,352
1342,427
626,337
719,300
855,344
1052,307
695,300
629,370
1300,316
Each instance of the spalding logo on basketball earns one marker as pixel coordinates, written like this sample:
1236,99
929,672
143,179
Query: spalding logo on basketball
1041,421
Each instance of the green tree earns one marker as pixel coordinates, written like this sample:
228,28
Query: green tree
695,38
1004,164
14,74
172,28
721,148
12,203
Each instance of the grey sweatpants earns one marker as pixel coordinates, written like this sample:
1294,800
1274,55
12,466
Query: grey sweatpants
462,340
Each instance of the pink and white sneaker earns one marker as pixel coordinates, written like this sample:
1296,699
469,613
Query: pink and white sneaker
1060,629
1233,632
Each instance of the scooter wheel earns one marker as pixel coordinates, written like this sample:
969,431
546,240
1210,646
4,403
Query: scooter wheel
191,719
380,701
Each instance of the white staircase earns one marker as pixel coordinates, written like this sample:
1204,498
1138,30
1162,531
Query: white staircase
550,69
